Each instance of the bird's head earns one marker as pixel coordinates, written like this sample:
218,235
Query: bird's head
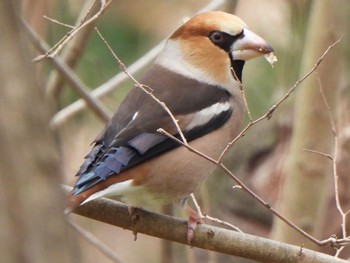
209,44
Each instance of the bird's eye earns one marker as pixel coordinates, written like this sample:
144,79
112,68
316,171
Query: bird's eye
216,37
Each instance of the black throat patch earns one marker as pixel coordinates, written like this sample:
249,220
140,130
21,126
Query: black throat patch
225,42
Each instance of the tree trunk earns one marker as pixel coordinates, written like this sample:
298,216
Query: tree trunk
33,227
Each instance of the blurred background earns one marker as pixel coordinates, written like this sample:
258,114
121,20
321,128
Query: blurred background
270,158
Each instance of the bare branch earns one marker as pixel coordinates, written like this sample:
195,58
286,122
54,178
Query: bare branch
95,242
206,237
60,44
74,49
269,113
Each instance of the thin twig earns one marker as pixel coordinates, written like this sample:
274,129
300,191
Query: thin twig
241,88
58,22
144,88
319,153
343,214
224,223
212,219
60,44
108,252
270,111
196,205
89,11
74,49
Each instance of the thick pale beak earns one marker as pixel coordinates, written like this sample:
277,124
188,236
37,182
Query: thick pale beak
250,46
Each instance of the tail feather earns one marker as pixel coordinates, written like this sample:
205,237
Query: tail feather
113,163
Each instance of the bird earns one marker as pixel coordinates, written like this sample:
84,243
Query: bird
197,77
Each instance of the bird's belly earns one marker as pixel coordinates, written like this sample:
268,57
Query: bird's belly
170,178
178,173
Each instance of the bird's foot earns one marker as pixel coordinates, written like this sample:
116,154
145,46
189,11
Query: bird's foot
194,218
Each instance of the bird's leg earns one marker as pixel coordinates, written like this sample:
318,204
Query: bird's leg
194,218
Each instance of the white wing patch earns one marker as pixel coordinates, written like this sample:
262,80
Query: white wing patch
135,116
204,116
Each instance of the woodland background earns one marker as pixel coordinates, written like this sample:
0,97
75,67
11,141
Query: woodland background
39,151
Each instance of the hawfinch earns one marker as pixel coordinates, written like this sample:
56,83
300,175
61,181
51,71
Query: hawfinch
197,76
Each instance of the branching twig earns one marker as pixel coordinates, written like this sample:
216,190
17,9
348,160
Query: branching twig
212,219
270,112
343,214
60,44
74,49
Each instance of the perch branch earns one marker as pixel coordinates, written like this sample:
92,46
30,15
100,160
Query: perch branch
206,237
